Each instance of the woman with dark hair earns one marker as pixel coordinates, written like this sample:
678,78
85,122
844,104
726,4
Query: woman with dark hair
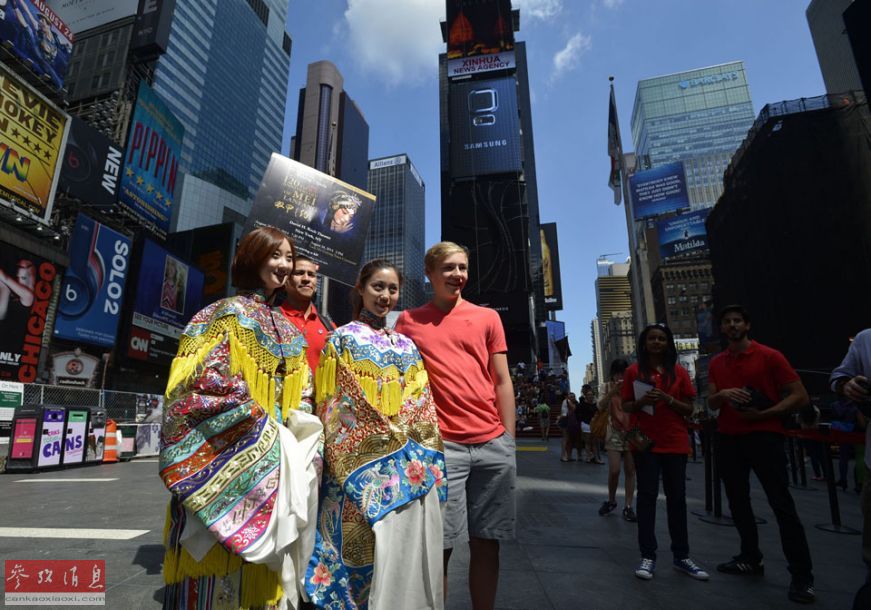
379,535
659,392
239,443
616,445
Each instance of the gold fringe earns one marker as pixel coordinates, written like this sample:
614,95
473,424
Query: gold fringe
325,376
260,586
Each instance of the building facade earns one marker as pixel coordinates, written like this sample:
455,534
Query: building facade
396,231
825,18
613,300
679,290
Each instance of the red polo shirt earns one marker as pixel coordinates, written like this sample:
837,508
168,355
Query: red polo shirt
313,330
759,367
665,427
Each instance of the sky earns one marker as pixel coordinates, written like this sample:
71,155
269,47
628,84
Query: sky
387,51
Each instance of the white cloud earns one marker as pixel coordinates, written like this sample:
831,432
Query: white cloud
569,57
539,9
612,3
396,41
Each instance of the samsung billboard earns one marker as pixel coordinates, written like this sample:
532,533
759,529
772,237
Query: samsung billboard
659,190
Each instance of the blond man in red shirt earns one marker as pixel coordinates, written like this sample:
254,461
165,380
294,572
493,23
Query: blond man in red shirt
464,350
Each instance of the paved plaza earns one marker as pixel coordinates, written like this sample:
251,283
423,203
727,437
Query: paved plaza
566,555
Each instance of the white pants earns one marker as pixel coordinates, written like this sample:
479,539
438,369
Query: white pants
409,560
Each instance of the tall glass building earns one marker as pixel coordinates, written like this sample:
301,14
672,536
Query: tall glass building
224,76
699,117
396,231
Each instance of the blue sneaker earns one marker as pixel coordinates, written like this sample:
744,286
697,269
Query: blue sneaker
689,567
645,569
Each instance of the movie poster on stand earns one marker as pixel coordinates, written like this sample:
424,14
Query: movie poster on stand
38,37
148,183
682,235
327,219
33,132
93,287
26,289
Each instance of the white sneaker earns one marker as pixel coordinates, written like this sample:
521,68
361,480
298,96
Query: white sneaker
645,569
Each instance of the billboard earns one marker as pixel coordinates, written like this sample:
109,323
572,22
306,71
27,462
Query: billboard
469,66
659,191
151,165
151,32
32,135
550,272
93,287
327,218
74,368
479,27
81,15
211,249
91,165
30,30
682,235
168,294
26,289
485,127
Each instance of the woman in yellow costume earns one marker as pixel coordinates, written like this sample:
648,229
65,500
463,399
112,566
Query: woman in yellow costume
379,538
238,445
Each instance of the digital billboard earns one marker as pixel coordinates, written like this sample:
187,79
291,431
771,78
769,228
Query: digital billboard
38,37
327,219
151,32
93,286
211,249
683,235
151,165
32,135
91,165
485,127
659,191
168,294
550,270
81,15
26,289
479,27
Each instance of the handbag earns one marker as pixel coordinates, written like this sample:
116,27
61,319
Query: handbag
638,441
599,424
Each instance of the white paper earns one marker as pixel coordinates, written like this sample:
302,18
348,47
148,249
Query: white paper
640,388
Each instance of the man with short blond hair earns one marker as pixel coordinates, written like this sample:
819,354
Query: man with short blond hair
464,350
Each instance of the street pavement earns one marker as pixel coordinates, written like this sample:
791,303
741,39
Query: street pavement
566,556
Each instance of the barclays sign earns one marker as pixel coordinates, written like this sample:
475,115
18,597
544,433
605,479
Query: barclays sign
708,80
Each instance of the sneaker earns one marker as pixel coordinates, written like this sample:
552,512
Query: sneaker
607,507
801,592
629,514
645,569
689,567
742,567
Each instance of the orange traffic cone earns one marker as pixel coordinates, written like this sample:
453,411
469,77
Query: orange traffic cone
110,449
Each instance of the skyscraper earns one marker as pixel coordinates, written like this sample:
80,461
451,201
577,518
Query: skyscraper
396,231
613,301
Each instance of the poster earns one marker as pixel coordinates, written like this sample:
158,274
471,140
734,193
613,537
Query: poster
683,235
38,37
659,191
91,166
327,219
11,397
550,269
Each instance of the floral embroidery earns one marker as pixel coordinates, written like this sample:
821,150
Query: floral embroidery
416,473
322,575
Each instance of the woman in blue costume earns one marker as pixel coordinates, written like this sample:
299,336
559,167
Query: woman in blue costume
379,536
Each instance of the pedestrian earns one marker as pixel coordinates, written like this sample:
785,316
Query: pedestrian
852,380
300,311
586,409
616,445
465,353
846,417
543,412
658,391
379,543
238,444
754,387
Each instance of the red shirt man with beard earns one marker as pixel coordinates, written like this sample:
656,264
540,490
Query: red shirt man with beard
301,312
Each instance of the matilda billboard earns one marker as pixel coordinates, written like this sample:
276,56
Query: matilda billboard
151,165
327,219
33,132
659,191
682,235
26,288
93,287
39,37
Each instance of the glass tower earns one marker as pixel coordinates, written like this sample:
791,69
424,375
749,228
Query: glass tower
224,76
396,232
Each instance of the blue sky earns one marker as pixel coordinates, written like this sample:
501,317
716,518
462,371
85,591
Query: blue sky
387,51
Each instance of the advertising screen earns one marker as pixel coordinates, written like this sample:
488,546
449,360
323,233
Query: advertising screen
211,249
33,132
26,288
485,127
39,37
75,439
81,15
51,441
479,27
682,235
93,287
659,190
151,162
91,165
168,294
327,218
23,439
550,271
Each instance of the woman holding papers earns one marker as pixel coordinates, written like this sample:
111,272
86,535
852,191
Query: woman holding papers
658,391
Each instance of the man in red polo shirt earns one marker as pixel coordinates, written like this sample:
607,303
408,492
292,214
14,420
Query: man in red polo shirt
300,311
754,387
